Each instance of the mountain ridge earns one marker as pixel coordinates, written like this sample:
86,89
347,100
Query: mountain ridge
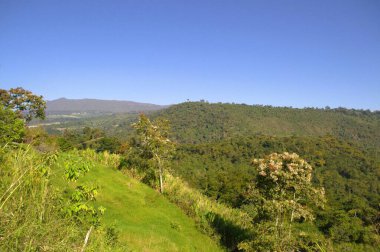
199,122
89,105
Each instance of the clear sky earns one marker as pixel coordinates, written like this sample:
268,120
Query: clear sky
282,52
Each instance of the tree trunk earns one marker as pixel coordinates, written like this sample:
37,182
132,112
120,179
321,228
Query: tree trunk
161,175
161,183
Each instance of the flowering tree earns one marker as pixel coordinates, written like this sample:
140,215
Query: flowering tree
282,193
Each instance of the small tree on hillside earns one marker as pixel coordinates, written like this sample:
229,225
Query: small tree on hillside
282,194
155,144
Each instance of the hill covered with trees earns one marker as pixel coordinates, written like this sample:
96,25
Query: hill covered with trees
199,122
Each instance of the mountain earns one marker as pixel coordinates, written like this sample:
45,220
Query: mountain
69,106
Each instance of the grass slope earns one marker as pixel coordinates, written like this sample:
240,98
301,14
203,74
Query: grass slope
146,221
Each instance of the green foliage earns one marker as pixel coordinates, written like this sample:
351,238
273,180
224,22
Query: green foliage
30,219
229,226
75,167
200,122
40,139
110,144
349,174
12,128
343,227
88,138
33,193
138,166
112,236
77,207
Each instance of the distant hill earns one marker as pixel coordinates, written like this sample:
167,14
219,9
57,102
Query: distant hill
200,122
69,106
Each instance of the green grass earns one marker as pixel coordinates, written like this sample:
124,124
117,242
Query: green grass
144,219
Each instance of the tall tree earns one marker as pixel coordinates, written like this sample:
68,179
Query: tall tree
155,144
24,102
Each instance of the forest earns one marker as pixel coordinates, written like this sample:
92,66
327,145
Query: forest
195,176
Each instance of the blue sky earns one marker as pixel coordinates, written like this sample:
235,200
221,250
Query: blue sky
282,52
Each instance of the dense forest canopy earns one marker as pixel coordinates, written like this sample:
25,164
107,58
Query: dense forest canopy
198,122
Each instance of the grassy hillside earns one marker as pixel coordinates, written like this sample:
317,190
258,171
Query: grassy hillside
144,219
35,197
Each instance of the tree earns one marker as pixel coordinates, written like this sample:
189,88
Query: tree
282,194
24,102
110,144
12,128
155,144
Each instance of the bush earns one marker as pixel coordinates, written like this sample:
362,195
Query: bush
12,128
